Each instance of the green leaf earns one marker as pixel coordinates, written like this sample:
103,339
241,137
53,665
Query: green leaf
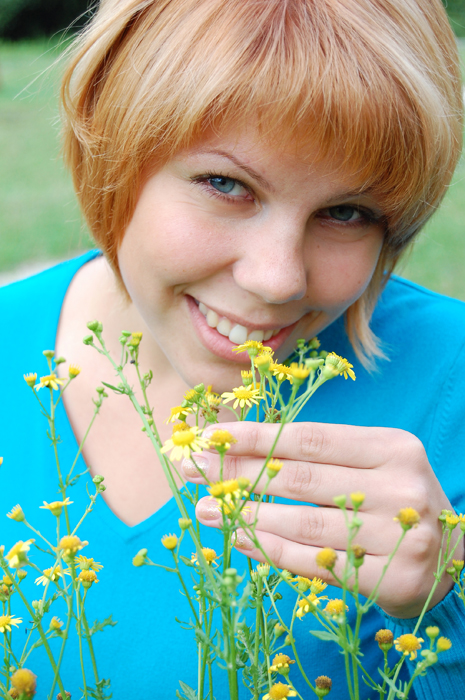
187,692
325,636
99,626
186,561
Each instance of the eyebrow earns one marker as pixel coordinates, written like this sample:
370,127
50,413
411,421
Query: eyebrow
246,168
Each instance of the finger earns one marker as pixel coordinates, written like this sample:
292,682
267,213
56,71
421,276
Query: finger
348,445
301,559
321,527
297,480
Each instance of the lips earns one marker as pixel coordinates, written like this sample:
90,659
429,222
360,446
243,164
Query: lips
216,335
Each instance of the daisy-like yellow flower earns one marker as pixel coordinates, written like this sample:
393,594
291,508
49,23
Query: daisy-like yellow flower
357,498
408,644
24,681
242,396
247,377
299,373
50,380
336,365
281,372
307,604
135,339
279,691
17,514
385,639
51,574
326,558
70,545
86,563
87,577
458,564
222,439
178,411
55,624
30,378
443,644
183,442
281,664
6,621
213,400
273,467
17,556
169,542
317,585
263,362
73,371
303,583
56,506
452,521
408,518
253,347
335,607
209,554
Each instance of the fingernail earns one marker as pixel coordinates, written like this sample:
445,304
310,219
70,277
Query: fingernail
242,541
208,509
199,469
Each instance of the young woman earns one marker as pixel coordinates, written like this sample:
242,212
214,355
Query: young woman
254,170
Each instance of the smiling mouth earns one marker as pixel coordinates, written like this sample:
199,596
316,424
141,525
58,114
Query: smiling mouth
236,333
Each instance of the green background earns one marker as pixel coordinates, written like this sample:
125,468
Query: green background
39,218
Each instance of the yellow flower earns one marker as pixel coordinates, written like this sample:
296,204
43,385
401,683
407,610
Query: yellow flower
253,347
56,506
221,439
85,563
30,378
279,691
385,639
335,607
177,411
408,518
326,558
452,520
6,621
50,380
212,399
281,663
141,557
24,681
73,371
317,585
51,574
18,554
70,545
273,467
443,644
281,372
299,373
408,644
303,583
16,514
183,442
209,554
55,624
135,339
169,541
458,564
242,396
336,365
357,498
262,362
307,604
87,578
247,377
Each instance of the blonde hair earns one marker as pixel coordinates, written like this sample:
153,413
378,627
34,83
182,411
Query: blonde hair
375,80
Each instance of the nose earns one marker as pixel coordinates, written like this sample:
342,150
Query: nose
272,263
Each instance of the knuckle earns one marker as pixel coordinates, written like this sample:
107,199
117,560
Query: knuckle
409,449
277,555
312,441
233,467
310,525
299,479
423,543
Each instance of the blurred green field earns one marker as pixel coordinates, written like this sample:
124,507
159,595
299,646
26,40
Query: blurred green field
39,217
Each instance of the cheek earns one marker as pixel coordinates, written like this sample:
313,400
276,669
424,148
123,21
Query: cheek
344,270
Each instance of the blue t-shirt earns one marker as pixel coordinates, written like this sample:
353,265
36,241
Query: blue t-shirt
420,389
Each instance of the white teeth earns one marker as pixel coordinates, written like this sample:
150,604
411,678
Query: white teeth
224,326
256,335
238,334
212,318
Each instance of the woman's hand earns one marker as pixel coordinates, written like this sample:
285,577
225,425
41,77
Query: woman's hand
322,461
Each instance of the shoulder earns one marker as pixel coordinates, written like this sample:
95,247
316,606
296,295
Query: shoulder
30,308
408,314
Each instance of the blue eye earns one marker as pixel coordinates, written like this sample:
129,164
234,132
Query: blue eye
343,212
223,184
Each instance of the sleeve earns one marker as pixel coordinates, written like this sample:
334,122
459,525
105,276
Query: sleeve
443,679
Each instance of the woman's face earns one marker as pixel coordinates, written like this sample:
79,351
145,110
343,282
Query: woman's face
233,240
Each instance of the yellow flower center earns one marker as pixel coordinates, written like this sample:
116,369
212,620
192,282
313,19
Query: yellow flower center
335,607
408,644
183,437
279,691
241,393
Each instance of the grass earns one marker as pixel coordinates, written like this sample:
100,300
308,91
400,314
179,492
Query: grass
39,217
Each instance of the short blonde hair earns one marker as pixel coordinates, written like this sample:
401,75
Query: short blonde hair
375,80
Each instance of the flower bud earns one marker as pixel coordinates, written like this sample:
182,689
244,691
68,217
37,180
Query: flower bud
340,501
432,632
88,340
323,685
385,639
184,523
95,326
49,354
